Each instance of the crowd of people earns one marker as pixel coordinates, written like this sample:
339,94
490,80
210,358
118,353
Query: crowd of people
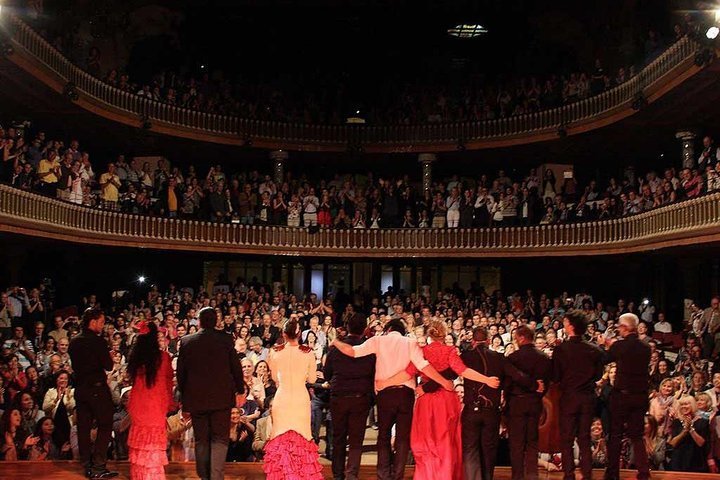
52,167
324,97
682,428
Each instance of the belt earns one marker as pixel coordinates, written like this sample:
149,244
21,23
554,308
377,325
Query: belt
395,387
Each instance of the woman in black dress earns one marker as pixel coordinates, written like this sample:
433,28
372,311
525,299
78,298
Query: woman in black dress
689,438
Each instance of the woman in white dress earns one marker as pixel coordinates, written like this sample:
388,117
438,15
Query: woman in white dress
291,453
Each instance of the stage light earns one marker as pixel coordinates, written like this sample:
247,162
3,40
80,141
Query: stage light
646,302
466,30
712,32
141,279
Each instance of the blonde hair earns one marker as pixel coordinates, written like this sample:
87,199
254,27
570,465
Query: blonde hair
437,330
686,399
707,398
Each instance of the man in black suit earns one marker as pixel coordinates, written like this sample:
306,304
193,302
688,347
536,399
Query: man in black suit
351,387
481,415
525,405
266,331
577,365
208,376
91,359
629,396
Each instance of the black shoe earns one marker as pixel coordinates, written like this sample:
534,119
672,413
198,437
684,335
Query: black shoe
104,474
88,472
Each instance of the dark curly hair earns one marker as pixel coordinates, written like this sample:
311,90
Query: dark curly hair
145,356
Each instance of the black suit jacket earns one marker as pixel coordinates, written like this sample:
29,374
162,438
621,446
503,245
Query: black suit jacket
491,364
208,372
532,363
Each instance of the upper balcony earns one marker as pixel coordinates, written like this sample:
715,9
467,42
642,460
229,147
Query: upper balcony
690,222
36,56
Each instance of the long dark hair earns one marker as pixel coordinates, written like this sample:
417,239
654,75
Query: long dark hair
145,354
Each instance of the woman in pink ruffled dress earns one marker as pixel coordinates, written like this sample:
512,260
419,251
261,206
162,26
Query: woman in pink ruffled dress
150,400
291,454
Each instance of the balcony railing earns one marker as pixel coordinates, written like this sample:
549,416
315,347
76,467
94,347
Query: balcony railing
689,222
672,63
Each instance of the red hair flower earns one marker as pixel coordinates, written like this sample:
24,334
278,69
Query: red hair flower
143,328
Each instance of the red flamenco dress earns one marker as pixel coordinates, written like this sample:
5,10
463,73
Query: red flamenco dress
291,454
435,435
148,409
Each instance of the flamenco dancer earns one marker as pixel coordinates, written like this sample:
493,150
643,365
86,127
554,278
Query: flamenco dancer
150,399
435,434
291,454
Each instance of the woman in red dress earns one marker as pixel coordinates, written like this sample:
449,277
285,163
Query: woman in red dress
435,434
150,400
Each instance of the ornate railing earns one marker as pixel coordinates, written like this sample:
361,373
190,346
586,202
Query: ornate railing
113,102
688,222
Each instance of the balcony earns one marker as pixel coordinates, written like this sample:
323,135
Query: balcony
695,221
36,56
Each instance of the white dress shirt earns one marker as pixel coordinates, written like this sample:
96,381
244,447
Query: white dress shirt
394,353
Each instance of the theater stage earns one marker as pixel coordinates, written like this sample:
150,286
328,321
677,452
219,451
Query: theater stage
253,471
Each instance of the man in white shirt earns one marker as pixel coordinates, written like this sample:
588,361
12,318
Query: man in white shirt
394,352
310,206
662,325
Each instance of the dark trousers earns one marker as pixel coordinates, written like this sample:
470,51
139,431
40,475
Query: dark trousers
94,404
348,416
627,412
318,413
524,416
576,414
212,435
395,407
480,436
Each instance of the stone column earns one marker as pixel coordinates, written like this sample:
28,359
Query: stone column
687,137
426,159
278,157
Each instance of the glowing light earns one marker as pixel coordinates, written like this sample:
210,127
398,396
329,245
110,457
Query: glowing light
712,33
141,279
466,30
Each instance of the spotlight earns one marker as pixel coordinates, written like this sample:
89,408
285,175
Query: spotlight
646,302
712,32
141,279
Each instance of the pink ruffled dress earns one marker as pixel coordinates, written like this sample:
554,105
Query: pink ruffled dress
148,409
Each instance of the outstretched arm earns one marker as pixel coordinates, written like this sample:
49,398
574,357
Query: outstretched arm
398,379
344,348
470,374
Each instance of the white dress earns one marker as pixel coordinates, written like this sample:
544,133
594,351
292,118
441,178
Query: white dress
292,367
290,453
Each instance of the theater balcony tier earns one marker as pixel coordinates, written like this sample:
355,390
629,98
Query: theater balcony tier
691,222
33,54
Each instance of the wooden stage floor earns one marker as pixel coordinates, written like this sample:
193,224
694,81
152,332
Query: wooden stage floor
253,471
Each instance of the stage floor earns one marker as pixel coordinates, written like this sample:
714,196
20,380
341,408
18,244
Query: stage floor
253,471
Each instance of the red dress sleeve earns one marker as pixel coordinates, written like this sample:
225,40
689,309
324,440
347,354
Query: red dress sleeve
456,362
412,370
167,376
